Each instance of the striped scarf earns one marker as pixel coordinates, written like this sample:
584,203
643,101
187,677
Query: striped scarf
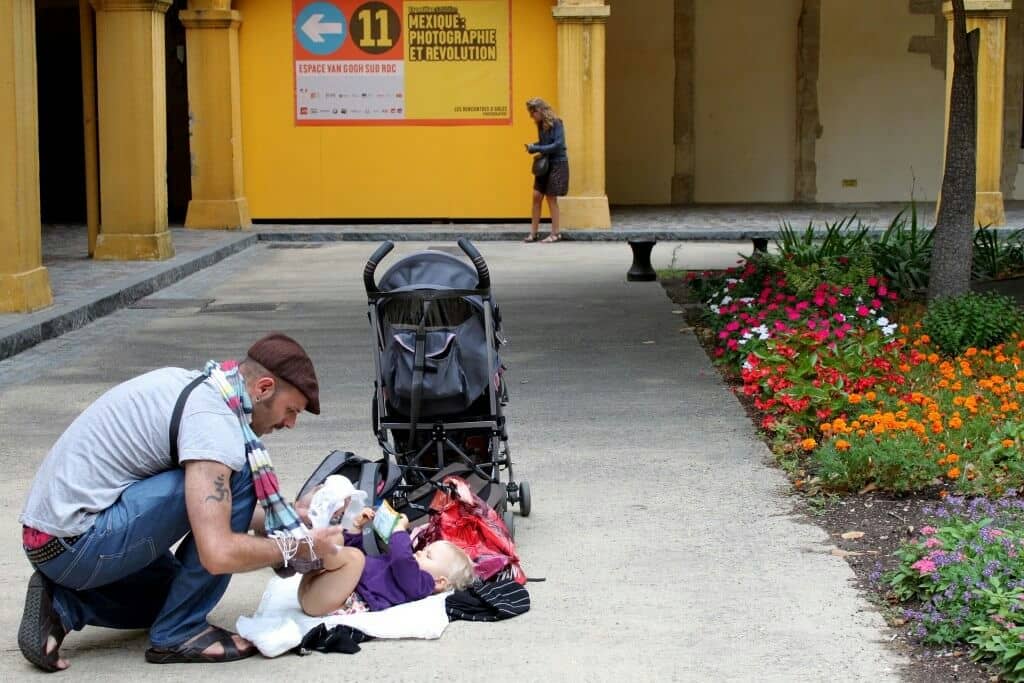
281,522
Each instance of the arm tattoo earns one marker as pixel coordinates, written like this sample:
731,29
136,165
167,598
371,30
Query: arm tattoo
221,490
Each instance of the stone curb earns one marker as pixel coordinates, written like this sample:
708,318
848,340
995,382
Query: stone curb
57,320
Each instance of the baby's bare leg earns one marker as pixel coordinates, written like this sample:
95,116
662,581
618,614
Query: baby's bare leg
323,593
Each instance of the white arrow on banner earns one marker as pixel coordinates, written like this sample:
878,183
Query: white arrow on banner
315,28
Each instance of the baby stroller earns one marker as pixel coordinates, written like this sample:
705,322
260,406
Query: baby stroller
439,388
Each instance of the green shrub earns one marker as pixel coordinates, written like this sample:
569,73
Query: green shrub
903,254
995,258
978,320
812,248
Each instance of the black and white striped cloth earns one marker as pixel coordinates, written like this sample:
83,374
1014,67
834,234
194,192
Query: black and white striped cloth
488,601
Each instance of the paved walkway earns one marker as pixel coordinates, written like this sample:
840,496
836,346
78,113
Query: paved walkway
669,547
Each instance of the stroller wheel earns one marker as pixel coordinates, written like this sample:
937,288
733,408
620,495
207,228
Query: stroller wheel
510,522
524,498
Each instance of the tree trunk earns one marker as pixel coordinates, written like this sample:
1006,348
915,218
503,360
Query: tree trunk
954,228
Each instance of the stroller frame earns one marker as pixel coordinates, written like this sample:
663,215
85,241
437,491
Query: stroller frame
433,436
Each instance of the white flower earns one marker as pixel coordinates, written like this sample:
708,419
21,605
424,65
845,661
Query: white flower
747,365
764,336
742,342
882,322
747,300
889,330
748,335
760,329
726,300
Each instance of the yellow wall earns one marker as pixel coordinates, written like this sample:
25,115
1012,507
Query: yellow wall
640,107
881,106
384,171
745,109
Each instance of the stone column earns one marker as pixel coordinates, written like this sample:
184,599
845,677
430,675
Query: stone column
132,129
581,85
24,283
215,116
989,17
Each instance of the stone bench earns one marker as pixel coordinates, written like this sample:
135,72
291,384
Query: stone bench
642,246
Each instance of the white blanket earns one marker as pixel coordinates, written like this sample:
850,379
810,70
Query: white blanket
279,624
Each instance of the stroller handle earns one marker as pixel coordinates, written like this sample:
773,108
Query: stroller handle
371,266
482,272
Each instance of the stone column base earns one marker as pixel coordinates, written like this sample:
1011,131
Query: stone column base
218,214
25,292
129,247
988,209
584,213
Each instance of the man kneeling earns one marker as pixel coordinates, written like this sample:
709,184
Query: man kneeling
169,455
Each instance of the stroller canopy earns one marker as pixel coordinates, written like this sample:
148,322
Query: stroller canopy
455,339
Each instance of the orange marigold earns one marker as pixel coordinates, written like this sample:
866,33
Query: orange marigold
842,445
1007,443
953,472
952,458
808,444
870,396
854,398
956,423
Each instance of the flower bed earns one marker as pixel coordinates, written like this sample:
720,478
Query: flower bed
966,576
853,400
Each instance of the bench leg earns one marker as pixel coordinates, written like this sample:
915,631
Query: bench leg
761,244
641,270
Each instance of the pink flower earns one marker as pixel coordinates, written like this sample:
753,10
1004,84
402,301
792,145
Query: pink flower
733,326
925,567
803,305
811,324
862,311
821,335
933,542
846,291
780,326
883,290
793,315
819,300
928,530
872,281
875,303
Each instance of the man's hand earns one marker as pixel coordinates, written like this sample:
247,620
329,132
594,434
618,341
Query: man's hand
363,518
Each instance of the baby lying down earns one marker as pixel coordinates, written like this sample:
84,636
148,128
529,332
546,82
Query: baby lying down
352,582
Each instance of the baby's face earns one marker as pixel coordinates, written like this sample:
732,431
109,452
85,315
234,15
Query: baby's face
436,559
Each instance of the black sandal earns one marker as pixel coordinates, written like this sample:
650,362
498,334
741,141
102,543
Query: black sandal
192,652
39,621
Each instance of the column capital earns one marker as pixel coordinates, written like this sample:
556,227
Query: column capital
159,6
580,14
981,8
210,18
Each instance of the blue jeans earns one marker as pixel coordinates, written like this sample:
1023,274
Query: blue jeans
122,574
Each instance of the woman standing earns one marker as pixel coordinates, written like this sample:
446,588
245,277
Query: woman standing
554,183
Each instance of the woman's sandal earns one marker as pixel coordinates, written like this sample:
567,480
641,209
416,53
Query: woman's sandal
192,652
531,238
552,238
39,622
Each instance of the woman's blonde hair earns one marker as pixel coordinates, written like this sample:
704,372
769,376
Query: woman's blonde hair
547,113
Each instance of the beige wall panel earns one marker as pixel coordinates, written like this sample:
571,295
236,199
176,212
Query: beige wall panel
640,86
746,100
881,106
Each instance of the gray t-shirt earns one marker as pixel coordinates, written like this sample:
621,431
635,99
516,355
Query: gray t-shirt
122,438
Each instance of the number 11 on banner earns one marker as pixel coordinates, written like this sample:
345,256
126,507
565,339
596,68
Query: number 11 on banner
376,27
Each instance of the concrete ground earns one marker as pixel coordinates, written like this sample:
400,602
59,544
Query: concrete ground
668,545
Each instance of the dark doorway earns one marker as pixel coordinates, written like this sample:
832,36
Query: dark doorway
61,139
179,161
